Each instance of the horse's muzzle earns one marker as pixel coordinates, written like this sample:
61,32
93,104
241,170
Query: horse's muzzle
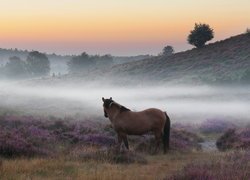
105,114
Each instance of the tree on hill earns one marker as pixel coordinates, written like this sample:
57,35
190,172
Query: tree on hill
81,63
38,64
104,61
200,35
15,68
167,51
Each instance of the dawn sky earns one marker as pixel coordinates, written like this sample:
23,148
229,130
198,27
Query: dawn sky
119,27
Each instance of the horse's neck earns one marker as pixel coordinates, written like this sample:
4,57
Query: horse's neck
114,113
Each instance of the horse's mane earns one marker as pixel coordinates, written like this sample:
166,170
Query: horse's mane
124,109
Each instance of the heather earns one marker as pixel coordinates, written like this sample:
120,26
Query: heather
71,148
231,166
48,136
216,125
234,139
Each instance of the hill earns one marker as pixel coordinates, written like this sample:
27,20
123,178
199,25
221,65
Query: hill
226,61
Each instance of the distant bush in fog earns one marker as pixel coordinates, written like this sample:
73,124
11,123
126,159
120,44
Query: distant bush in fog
38,64
215,126
234,139
85,62
16,68
167,51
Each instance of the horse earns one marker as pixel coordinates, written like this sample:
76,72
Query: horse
126,122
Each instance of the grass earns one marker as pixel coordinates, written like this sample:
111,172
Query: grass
158,167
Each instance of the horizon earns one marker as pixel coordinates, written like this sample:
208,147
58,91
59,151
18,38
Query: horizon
113,27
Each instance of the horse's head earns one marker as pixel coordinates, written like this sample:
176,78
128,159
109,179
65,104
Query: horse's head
106,105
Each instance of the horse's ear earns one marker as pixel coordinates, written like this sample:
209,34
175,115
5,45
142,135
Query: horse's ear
103,99
110,98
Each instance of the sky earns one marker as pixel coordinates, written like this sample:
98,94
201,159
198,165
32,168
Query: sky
118,27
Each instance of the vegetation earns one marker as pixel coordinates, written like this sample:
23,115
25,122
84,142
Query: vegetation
49,147
222,62
248,31
234,139
15,68
86,63
200,35
38,64
231,166
167,51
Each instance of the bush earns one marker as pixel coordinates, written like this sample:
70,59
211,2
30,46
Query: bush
13,144
233,139
200,35
38,64
167,51
215,126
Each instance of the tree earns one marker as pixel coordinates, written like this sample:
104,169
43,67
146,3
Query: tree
248,31
81,63
200,35
167,51
38,64
105,61
15,68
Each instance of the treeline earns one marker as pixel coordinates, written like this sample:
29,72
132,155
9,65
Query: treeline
86,63
37,64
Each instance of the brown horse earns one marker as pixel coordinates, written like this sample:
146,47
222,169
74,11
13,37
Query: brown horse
126,122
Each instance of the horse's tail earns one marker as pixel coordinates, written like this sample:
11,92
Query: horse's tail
166,134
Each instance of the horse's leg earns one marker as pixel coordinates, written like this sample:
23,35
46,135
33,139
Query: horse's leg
119,141
125,140
158,135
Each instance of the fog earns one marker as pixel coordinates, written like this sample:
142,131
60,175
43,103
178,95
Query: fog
192,104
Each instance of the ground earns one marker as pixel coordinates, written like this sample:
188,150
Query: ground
158,167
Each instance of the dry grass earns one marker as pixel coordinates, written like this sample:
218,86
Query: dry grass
158,167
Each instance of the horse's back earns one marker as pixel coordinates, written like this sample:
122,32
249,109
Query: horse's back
142,121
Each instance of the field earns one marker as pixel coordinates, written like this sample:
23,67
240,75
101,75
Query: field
36,147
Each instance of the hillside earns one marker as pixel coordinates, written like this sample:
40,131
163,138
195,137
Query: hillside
226,61
222,62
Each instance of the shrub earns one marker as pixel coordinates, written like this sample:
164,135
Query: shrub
13,144
38,63
167,51
233,139
215,126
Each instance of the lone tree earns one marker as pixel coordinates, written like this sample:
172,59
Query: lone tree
200,35
38,64
167,51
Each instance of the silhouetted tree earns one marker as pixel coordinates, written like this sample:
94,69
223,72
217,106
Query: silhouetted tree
15,68
81,63
200,35
38,64
167,51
